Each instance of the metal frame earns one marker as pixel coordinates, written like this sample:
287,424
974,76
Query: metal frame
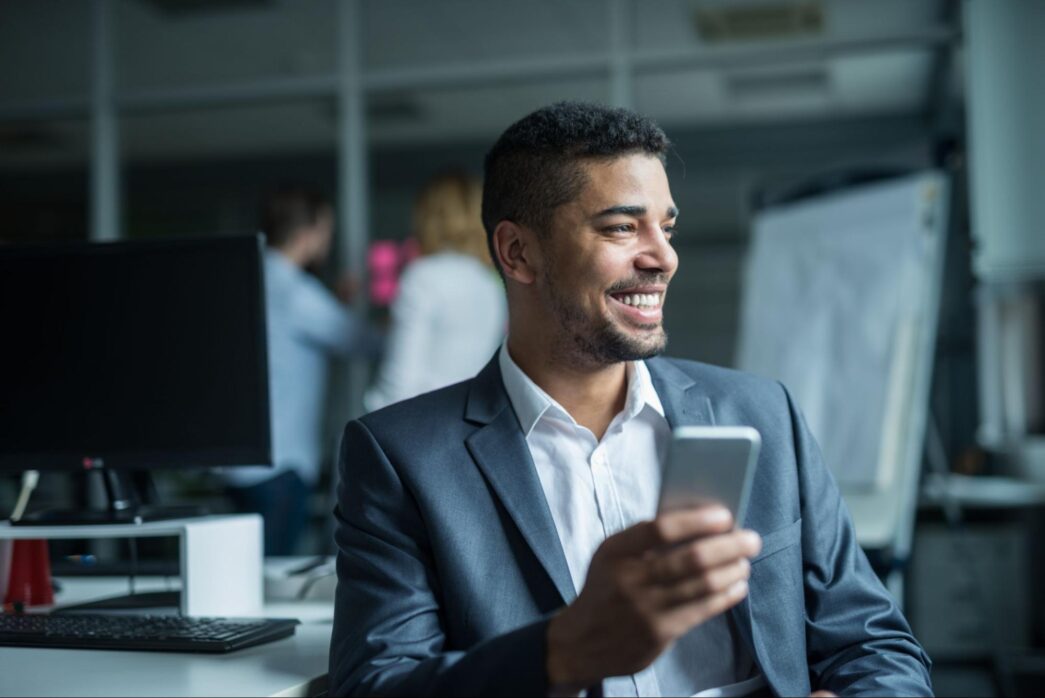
105,198
353,164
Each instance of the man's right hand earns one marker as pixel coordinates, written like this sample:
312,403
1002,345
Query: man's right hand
647,586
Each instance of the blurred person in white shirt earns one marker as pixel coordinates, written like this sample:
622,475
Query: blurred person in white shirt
449,314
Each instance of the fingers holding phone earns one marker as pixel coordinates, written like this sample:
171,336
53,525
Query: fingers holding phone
647,586
653,582
712,556
694,580
709,469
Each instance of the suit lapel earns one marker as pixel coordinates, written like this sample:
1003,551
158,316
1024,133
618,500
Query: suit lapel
685,406
501,452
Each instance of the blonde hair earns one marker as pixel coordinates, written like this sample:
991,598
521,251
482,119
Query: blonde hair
447,216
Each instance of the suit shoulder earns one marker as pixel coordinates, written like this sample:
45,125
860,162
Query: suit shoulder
719,379
429,411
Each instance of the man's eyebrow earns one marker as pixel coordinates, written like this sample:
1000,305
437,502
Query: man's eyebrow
635,211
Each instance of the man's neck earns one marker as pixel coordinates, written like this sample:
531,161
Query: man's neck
295,254
592,395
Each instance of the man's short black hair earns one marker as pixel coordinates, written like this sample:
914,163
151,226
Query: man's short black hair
535,166
288,208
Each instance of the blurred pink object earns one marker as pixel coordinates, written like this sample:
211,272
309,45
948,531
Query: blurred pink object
383,267
386,260
384,254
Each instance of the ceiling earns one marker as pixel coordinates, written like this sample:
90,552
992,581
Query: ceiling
698,63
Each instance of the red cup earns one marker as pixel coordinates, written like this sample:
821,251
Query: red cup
30,582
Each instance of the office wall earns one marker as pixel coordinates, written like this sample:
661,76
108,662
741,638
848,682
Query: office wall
715,175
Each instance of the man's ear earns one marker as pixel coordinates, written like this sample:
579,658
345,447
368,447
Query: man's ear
517,251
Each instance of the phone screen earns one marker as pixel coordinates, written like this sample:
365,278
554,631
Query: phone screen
710,465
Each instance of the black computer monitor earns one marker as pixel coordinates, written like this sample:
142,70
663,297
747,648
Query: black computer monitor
133,355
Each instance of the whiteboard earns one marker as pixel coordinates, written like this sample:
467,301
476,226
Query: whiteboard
840,303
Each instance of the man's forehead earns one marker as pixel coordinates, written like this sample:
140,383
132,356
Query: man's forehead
627,181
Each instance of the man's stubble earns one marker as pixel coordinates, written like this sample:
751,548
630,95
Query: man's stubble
596,341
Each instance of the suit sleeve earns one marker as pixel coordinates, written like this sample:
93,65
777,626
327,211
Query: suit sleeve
388,635
857,640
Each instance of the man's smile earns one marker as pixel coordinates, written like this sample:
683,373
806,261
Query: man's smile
641,305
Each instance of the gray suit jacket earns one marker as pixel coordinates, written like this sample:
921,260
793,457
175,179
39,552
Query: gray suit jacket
449,564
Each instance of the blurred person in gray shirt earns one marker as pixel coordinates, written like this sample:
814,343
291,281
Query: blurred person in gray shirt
307,326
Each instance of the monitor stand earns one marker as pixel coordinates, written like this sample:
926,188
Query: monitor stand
219,560
132,498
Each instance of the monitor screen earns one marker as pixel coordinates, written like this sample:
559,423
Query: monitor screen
137,354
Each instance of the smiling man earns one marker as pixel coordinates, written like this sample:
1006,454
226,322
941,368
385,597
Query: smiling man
500,536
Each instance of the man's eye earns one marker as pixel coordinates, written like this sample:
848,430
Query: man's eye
622,228
669,231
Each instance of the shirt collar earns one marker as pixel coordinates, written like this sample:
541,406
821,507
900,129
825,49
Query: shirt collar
641,392
531,403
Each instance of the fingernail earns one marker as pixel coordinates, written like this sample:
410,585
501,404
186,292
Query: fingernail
752,538
716,515
738,588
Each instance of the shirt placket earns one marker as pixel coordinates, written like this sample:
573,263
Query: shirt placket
644,683
605,493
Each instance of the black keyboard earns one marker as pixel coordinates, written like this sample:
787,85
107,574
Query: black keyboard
140,632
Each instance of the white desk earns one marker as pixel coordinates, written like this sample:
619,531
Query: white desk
294,666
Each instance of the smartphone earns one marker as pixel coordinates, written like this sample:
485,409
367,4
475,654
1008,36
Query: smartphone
710,465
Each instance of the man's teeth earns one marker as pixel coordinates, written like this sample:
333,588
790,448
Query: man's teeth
641,300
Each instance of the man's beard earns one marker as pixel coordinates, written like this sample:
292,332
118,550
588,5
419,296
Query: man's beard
596,340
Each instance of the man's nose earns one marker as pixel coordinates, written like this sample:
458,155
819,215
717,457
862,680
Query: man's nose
657,253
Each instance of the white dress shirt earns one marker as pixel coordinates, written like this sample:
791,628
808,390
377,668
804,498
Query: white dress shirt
597,488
